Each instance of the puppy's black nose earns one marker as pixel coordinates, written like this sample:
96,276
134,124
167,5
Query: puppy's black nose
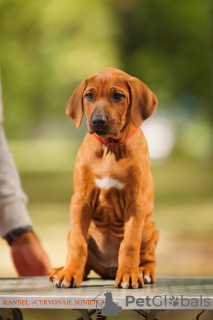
99,121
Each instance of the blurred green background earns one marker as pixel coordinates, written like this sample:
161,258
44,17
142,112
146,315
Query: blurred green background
48,48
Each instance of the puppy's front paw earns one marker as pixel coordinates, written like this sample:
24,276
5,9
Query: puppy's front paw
128,279
53,272
66,277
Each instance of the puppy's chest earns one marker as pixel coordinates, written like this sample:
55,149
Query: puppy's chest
108,182
114,183
112,196
109,173
110,203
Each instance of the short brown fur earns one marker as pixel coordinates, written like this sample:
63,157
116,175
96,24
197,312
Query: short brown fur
111,229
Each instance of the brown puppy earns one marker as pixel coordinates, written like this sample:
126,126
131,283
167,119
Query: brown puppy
110,212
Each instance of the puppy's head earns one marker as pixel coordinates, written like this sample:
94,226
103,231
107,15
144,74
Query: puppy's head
111,99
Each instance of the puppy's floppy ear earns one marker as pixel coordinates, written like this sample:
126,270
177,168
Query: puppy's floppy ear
75,104
143,101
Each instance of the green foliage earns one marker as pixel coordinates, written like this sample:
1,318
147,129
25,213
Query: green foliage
168,43
47,48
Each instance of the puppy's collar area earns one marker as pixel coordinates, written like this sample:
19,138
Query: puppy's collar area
113,143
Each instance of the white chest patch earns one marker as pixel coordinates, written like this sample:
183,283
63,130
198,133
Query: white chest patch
108,182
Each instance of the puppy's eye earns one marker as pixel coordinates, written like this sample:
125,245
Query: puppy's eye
117,96
89,96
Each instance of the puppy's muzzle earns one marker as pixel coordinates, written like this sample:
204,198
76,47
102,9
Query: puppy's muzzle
99,121
98,124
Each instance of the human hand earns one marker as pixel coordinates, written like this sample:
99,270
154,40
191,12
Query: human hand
28,256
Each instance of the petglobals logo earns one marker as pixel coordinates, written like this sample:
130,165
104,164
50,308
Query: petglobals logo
110,308
179,302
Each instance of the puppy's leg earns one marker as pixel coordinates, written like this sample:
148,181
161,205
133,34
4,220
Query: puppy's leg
128,274
147,254
72,273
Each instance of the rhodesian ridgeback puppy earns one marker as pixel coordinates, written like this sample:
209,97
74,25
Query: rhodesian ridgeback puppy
110,213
